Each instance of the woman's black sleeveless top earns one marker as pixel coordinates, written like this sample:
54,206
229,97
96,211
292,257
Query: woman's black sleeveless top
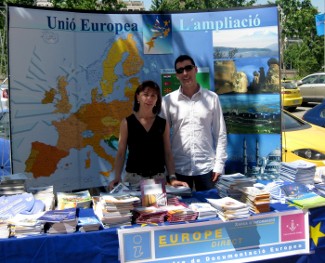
145,149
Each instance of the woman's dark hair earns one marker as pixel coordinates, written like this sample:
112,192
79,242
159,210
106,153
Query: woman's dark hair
182,58
151,85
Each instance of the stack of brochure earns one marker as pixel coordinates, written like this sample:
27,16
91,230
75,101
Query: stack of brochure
23,225
301,196
180,213
204,210
44,194
88,221
229,208
59,221
13,184
228,184
15,204
115,210
149,215
257,200
4,231
299,171
179,190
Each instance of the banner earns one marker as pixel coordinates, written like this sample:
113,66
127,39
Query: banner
74,80
320,24
258,237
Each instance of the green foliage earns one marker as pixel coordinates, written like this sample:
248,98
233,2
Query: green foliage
177,5
104,5
302,48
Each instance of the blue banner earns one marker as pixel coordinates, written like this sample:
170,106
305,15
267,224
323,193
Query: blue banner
320,24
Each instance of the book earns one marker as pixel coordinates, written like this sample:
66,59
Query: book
80,199
59,221
229,208
15,204
56,216
89,223
153,193
44,194
226,203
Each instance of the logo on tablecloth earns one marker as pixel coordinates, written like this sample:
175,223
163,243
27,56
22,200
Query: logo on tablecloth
292,227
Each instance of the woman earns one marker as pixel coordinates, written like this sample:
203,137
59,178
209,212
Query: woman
146,136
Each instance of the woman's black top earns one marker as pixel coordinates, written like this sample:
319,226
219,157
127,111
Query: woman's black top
145,148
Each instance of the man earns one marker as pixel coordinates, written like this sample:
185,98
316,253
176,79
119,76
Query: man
198,131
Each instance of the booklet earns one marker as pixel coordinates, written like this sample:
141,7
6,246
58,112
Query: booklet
153,192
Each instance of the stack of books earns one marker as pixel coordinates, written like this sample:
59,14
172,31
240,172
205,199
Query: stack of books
179,190
180,213
229,208
229,184
4,231
257,200
24,225
44,194
80,199
59,221
15,204
149,215
88,221
204,210
299,171
115,210
301,196
13,184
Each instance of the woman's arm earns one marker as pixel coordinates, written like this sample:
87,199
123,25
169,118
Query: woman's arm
120,155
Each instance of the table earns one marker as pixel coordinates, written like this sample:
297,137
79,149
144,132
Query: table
102,246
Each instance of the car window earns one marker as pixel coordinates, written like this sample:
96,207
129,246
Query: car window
288,85
309,80
321,79
291,123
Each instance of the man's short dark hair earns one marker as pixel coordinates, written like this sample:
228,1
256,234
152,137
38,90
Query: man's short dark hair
181,58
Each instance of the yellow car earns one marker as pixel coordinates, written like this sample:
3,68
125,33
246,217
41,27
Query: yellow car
290,95
302,140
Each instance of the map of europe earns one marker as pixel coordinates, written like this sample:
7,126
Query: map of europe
93,122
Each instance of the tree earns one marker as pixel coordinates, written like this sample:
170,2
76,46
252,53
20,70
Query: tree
176,5
303,49
104,5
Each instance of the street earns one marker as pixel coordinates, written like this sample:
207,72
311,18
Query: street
300,111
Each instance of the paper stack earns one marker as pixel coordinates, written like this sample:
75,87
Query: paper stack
228,184
4,231
59,221
229,208
44,194
22,225
257,200
299,171
115,210
13,184
88,221
180,213
179,190
204,210
149,215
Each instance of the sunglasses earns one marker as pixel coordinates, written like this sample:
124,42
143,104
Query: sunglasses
186,68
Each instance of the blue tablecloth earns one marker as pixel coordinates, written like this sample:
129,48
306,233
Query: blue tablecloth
102,246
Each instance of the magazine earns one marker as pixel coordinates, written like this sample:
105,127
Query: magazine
153,193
